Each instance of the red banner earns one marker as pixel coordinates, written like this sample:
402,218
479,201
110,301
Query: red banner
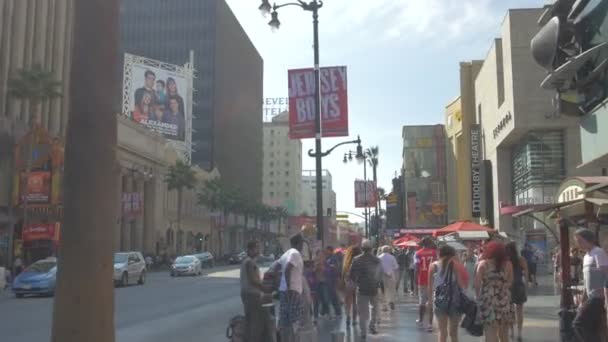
334,102
42,231
36,189
365,194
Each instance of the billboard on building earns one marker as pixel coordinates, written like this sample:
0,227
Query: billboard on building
476,192
334,102
365,194
35,189
158,96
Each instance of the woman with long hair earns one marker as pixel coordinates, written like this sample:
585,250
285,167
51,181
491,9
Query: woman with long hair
143,100
518,288
447,268
350,289
172,91
493,288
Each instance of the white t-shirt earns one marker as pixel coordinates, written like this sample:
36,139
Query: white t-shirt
594,277
389,263
292,256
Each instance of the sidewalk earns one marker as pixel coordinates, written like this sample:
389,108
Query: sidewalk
540,321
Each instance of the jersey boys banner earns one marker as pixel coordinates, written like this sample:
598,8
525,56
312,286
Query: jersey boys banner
365,194
334,102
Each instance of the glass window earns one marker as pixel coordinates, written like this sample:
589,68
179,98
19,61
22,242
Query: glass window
286,173
271,194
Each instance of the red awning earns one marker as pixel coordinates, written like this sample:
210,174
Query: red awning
462,226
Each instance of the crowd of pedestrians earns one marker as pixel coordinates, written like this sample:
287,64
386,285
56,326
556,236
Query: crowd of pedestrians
485,287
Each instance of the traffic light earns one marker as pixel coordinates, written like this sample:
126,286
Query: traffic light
572,46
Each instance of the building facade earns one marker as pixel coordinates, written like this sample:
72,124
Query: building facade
228,87
424,176
529,146
459,116
282,172
309,194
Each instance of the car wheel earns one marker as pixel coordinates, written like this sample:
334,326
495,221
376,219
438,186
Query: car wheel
124,280
19,295
142,278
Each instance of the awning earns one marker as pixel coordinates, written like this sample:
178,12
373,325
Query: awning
456,245
479,235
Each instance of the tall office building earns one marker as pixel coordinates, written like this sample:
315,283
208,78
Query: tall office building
309,193
228,84
282,175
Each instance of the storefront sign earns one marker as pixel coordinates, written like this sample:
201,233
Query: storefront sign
273,106
476,170
36,188
42,231
334,103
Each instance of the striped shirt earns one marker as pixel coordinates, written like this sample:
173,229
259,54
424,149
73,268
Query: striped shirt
365,272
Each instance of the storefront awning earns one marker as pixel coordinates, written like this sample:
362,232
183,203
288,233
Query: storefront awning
480,235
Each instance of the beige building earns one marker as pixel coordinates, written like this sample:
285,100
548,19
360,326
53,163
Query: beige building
459,116
531,148
282,180
309,193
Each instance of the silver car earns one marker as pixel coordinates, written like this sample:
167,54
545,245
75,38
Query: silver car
129,268
186,265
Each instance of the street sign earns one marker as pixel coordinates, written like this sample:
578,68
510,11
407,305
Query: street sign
342,216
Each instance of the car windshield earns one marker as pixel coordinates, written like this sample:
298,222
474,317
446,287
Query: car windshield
184,260
120,258
42,267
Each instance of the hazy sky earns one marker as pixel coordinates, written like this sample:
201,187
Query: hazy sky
402,58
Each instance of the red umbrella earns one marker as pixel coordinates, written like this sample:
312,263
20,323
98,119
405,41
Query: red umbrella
406,238
462,226
405,244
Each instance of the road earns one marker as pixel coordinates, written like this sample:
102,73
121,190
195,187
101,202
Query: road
198,309
164,309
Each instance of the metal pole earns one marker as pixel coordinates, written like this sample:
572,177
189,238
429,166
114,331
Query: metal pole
318,132
566,302
365,196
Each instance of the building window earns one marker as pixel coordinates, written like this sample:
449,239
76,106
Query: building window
271,164
271,143
271,194
287,163
287,154
271,183
272,132
271,154
286,183
286,173
286,193
271,173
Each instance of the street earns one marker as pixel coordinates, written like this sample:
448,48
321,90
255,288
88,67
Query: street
198,309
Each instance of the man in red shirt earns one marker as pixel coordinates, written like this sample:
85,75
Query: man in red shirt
423,260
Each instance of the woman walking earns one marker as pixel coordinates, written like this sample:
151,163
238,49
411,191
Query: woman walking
350,289
493,288
447,269
518,288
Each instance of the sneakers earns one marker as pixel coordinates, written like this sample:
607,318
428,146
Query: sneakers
419,323
429,328
373,330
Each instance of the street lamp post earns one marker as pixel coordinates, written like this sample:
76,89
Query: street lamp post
348,157
312,6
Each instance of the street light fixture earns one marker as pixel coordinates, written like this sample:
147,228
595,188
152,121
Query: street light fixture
265,8
312,6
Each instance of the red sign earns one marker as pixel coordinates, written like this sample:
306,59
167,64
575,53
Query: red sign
42,231
36,188
365,194
334,102
131,204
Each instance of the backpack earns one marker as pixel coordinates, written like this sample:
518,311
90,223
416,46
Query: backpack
235,332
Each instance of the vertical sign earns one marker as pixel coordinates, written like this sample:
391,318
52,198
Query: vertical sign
334,102
365,194
476,170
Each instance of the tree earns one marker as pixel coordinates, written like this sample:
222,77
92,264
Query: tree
218,196
35,86
83,308
180,176
281,214
372,155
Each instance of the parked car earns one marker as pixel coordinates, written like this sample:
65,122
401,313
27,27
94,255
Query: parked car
38,279
206,259
129,268
186,265
237,258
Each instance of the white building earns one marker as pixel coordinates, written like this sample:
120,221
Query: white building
282,166
309,193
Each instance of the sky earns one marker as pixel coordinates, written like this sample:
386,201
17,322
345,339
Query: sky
402,58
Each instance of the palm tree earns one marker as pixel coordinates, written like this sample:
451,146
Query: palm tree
83,309
372,156
281,214
180,176
381,195
216,195
36,86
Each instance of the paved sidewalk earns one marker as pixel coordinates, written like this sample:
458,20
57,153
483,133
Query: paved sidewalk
540,323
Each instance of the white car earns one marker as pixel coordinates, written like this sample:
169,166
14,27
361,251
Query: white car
129,268
186,265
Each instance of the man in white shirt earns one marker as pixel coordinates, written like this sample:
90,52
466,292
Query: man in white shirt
390,268
587,326
290,290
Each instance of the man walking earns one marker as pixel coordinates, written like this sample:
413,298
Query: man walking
424,258
411,272
390,268
290,291
531,260
332,275
365,273
253,296
590,321
402,274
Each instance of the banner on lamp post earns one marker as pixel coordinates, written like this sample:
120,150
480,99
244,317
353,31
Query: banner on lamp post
365,194
334,102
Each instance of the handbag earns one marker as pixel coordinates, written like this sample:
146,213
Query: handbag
471,322
445,300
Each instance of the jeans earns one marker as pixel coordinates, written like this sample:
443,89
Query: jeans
322,300
363,304
412,279
401,275
590,320
333,298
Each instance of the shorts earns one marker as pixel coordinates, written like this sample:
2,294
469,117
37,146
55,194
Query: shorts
423,295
